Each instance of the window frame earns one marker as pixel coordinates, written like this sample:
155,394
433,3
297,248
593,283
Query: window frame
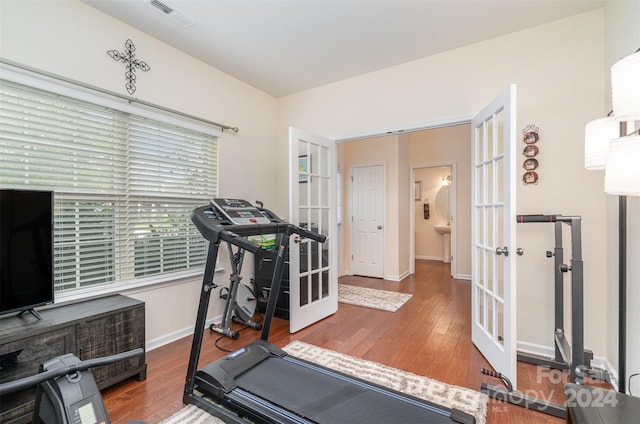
67,89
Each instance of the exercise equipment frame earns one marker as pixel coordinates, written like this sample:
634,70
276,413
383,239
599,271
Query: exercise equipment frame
245,382
569,356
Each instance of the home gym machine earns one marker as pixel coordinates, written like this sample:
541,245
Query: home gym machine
240,302
66,391
262,383
569,356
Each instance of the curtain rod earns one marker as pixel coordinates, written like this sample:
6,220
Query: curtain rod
129,99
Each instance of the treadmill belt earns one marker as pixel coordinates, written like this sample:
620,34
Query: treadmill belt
328,399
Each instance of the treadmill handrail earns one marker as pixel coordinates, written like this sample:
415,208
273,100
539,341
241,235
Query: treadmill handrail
213,230
308,234
523,219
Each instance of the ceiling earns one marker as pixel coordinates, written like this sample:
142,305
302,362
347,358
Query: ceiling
286,46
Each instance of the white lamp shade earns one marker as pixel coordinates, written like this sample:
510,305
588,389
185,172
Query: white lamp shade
622,176
597,135
625,87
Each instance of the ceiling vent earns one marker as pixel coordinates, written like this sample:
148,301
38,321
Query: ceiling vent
165,9
161,6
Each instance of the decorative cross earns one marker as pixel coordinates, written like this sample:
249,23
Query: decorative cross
129,58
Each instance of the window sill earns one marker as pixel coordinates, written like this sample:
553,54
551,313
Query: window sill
130,287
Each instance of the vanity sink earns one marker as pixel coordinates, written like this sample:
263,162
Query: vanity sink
443,229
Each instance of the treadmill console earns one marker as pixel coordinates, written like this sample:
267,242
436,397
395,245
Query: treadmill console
239,211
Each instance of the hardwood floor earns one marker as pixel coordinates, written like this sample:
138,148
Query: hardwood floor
430,335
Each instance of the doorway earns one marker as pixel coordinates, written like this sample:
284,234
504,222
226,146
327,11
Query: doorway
440,145
433,218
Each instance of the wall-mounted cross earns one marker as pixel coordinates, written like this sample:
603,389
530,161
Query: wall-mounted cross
129,58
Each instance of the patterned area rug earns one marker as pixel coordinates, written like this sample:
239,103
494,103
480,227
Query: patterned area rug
191,414
372,298
467,400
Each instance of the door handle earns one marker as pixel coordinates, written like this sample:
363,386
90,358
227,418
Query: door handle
502,251
296,239
520,251
379,227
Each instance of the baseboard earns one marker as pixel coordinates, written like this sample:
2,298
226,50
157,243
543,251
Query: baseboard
535,349
397,277
462,277
598,362
430,258
177,335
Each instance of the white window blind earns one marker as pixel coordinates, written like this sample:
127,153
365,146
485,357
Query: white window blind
124,185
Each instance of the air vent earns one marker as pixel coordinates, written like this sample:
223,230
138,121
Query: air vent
164,8
161,6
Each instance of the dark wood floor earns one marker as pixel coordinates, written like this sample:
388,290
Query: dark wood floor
430,335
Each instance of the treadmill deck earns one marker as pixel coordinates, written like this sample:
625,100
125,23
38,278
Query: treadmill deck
256,375
325,398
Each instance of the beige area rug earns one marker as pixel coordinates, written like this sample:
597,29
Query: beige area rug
372,298
467,400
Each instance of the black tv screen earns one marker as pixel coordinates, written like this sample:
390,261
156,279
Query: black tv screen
26,249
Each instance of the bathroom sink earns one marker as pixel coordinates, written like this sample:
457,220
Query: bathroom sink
445,230
442,229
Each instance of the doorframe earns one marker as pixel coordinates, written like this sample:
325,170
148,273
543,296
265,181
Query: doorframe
448,121
384,212
401,129
453,212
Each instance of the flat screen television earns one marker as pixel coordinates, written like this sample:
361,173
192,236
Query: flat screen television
26,250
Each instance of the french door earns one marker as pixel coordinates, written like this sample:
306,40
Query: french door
493,296
313,266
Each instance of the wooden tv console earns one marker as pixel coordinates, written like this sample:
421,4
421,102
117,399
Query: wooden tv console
88,329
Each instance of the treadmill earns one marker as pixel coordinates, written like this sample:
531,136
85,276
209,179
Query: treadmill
260,382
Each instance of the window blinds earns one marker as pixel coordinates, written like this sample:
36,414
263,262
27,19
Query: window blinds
124,185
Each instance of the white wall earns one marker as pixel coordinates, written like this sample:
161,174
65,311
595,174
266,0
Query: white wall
558,68
71,39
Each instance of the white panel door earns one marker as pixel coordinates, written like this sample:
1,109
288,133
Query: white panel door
367,221
313,266
493,296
